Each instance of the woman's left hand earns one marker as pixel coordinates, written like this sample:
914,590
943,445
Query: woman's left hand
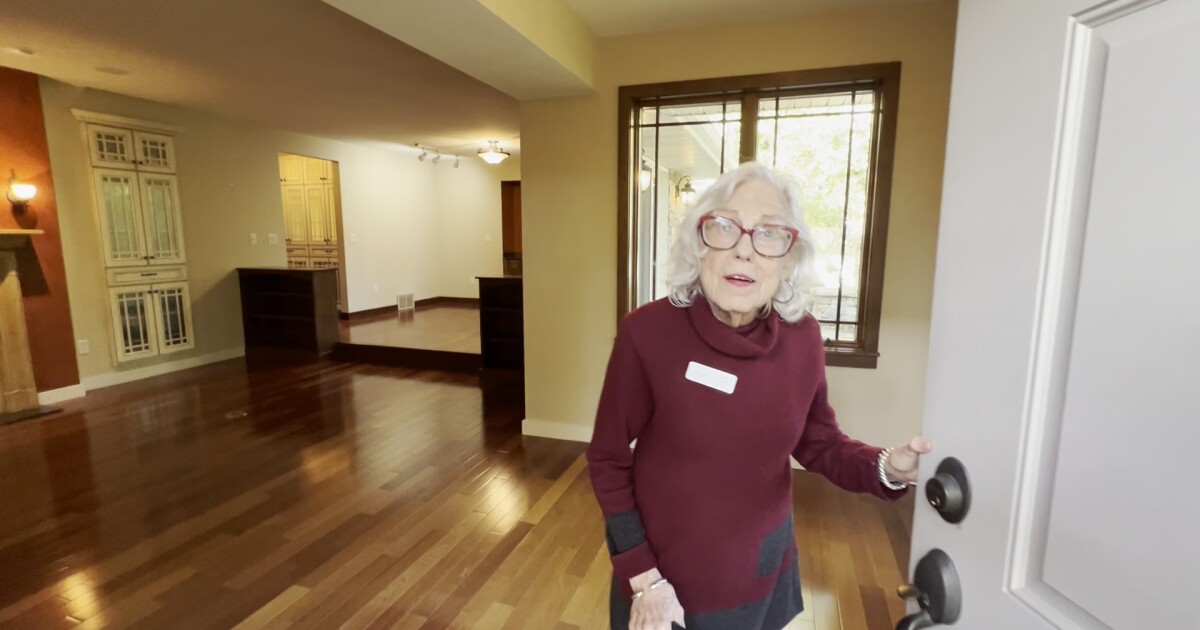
904,461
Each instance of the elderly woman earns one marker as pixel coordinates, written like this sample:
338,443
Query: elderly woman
718,385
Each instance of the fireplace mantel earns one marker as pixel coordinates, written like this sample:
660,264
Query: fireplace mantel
15,239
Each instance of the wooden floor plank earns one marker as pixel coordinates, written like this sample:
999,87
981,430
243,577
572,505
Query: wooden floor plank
345,495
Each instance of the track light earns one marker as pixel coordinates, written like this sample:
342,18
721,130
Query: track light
424,153
456,161
437,158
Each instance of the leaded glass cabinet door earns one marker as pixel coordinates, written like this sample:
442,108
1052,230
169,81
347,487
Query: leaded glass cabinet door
133,322
331,215
111,147
162,218
173,317
120,217
316,201
295,218
155,152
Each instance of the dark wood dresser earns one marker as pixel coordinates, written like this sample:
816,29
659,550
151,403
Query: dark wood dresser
289,309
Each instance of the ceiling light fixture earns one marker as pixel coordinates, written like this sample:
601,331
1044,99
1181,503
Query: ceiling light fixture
424,153
456,161
437,158
493,154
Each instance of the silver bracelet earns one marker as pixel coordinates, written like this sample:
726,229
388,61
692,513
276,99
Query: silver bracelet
883,478
653,586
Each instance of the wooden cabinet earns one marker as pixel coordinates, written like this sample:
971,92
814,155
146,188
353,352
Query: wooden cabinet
136,194
316,204
151,319
310,210
295,217
291,169
317,171
289,309
115,147
501,323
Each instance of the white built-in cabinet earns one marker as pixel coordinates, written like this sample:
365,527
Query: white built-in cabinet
136,192
309,211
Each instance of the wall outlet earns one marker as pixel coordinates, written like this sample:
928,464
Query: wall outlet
487,238
272,238
375,287
473,280
83,345
353,238
254,238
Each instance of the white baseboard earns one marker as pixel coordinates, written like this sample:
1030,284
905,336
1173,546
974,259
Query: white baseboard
557,430
137,374
54,396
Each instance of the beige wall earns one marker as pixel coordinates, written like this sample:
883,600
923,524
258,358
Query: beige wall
229,187
467,202
569,148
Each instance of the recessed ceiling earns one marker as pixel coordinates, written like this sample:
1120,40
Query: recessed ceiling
610,18
298,65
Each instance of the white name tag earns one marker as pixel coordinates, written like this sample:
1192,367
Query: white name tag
711,377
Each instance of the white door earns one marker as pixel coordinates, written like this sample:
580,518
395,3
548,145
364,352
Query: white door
162,217
1064,337
120,217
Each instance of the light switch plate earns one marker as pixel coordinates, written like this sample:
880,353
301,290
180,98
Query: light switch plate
272,238
254,238
353,238
83,345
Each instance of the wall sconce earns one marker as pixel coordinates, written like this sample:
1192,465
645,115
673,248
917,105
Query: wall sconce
19,193
687,194
645,174
493,154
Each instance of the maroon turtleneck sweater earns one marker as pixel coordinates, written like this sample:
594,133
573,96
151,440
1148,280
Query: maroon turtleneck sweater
709,482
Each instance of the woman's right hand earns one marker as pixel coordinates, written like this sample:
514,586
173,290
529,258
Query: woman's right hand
657,608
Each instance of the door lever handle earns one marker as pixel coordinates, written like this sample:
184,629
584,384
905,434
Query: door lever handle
916,621
936,589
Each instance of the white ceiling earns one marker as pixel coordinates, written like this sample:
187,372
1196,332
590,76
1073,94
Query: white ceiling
610,18
300,65
306,66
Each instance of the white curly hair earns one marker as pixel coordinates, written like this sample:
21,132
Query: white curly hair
683,264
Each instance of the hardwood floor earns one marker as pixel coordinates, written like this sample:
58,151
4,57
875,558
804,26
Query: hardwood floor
346,495
449,328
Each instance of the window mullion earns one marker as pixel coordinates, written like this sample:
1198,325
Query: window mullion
749,140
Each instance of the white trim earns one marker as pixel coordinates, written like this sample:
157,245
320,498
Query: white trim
557,430
121,121
53,396
127,376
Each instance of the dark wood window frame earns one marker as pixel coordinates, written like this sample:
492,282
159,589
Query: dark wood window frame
883,77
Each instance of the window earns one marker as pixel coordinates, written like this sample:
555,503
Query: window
831,130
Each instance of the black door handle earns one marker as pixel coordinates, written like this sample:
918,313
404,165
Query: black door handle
937,589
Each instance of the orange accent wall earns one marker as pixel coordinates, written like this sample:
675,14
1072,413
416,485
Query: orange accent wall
23,148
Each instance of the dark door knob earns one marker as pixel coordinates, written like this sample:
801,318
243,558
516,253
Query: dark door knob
936,589
949,491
